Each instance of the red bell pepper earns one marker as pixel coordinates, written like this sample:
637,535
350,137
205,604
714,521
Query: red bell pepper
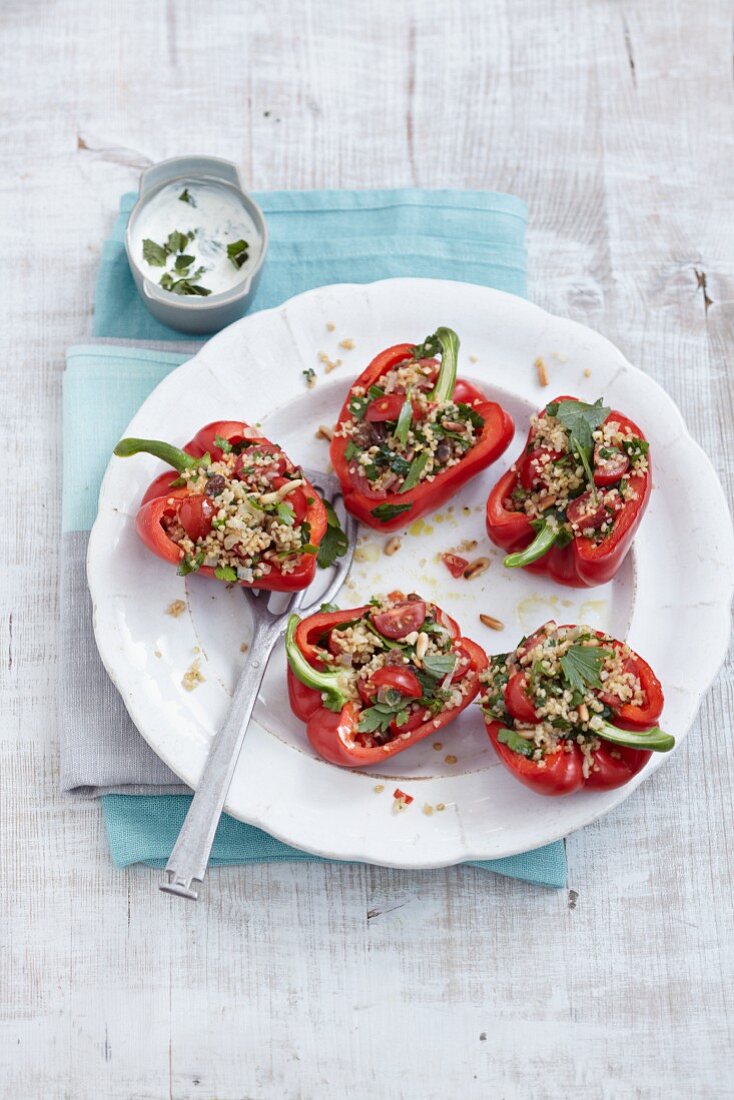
553,547
228,432
627,733
341,711
386,510
169,499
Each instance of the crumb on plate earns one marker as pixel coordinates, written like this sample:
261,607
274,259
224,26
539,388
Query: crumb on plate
193,676
329,364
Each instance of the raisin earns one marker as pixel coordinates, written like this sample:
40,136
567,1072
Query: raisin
215,485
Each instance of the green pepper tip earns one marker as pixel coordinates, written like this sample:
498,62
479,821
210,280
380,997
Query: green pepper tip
449,342
540,545
174,456
330,684
654,739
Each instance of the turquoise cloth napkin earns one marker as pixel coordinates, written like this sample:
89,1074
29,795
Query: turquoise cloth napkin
321,237
143,829
316,238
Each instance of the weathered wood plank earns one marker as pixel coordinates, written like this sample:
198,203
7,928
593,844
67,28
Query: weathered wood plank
613,120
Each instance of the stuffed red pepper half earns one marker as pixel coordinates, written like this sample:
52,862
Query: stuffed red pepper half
572,707
371,681
410,435
236,508
571,504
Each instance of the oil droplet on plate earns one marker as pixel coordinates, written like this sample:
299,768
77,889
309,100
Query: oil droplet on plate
592,609
368,551
529,611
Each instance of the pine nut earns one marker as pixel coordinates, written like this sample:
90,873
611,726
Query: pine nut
542,372
392,546
324,433
290,487
474,568
491,622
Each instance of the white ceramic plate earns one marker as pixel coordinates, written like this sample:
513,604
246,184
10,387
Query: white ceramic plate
671,599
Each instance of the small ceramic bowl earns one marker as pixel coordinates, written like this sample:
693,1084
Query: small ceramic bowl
189,313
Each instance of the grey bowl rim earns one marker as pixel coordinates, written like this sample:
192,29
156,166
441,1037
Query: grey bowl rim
181,303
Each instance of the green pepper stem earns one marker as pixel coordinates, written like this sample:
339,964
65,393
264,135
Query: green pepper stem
170,454
331,684
655,739
444,388
540,545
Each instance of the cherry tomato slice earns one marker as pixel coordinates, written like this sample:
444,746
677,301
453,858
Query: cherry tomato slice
400,620
391,677
517,699
299,503
297,500
400,678
361,483
415,719
455,564
582,512
461,669
253,456
384,408
530,643
610,469
608,697
447,623
534,463
195,515
465,392
422,413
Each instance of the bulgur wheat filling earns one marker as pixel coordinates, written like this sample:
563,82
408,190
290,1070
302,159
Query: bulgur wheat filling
560,689
239,510
408,428
392,670
579,469
253,514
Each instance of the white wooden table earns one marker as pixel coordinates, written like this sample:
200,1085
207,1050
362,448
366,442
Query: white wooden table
613,119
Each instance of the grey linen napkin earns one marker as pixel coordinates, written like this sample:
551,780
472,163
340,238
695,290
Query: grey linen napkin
102,752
